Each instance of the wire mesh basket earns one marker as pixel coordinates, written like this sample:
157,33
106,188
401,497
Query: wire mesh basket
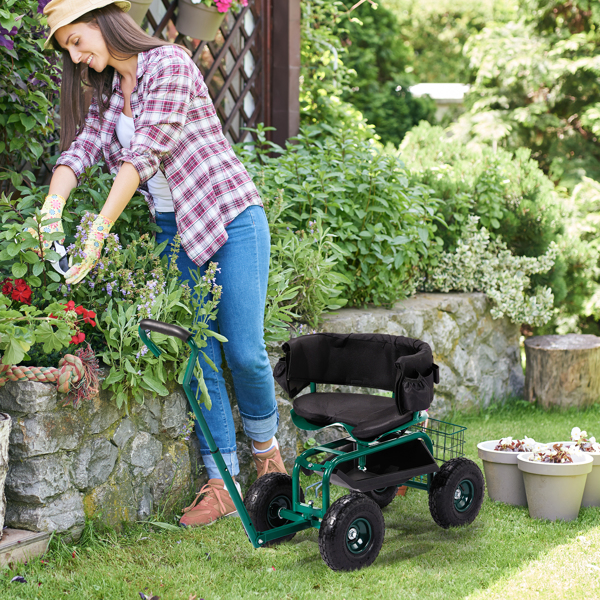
448,439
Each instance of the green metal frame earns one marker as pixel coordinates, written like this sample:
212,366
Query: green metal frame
303,514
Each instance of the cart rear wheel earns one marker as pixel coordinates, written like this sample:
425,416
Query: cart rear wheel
384,496
456,493
351,533
266,496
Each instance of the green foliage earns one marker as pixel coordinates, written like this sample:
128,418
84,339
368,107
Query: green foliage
436,30
29,83
377,53
536,85
508,192
384,226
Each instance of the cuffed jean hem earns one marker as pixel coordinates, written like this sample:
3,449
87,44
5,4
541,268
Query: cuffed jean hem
231,460
261,430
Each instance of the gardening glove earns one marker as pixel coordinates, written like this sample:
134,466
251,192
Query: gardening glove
93,246
51,209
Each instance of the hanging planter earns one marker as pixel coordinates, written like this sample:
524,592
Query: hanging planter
138,10
555,490
198,21
504,480
5,424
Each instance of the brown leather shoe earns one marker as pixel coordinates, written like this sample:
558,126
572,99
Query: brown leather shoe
269,462
216,503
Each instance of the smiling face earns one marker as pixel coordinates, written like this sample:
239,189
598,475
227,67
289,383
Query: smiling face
85,44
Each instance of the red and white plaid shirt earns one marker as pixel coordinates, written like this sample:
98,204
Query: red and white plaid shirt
176,130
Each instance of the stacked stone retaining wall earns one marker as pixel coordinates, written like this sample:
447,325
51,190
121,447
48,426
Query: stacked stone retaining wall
67,463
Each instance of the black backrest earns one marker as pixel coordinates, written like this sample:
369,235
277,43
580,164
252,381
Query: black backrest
371,360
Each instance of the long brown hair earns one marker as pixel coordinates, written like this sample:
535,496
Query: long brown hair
123,39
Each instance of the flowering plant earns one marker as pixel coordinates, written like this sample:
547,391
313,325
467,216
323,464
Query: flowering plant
223,5
509,445
22,324
582,442
554,453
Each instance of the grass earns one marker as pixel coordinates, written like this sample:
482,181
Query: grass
503,554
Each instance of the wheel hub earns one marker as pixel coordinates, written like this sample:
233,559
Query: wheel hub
463,495
359,536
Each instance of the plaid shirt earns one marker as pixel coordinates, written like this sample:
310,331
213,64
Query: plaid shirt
176,130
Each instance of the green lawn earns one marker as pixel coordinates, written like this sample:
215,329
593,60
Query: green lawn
503,554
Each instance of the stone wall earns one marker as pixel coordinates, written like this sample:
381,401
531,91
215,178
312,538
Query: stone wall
67,463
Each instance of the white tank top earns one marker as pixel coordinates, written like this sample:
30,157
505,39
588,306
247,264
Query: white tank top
158,185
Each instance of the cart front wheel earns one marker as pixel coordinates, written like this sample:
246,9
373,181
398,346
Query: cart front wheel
351,533
384,496
456,493
265,498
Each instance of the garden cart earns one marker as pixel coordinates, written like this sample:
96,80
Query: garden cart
389,442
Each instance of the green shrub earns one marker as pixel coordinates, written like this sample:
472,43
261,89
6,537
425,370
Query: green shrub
384,226
377,53
29,83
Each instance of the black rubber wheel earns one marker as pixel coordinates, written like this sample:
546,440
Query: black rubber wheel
384,496
351,533
265,497
456,493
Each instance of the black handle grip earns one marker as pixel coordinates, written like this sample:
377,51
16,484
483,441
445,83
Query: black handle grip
165,329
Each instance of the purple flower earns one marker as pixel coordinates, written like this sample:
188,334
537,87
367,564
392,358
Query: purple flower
8,43
42,5
109,289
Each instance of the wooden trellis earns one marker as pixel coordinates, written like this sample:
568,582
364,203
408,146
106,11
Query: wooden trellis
236,65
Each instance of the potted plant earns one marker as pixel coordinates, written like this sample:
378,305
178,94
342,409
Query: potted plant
138,9
201,19
503,478
554,477
579,439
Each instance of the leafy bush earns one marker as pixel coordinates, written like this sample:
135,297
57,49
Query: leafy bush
485,265
536,85
383,226
508,192
377,53
29,84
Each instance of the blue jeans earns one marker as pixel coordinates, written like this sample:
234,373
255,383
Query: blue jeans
244,264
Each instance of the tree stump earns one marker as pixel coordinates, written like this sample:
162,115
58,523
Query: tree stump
563,370
5,423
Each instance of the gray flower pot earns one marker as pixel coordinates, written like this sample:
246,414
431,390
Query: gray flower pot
554,491
199,21
503,479
5,424
138,9
591,493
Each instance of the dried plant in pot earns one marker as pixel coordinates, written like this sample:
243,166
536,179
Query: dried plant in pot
554,477
588,444
503,479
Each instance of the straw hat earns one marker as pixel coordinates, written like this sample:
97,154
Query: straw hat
62,12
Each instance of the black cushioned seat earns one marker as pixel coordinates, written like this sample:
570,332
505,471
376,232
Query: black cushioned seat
401,365
370,416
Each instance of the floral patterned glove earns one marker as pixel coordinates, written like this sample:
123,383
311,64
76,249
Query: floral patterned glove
93,246
51,209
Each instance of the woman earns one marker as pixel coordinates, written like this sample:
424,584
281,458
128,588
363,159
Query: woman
153,122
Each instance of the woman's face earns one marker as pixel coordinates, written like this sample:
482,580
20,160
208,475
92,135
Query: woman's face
85,44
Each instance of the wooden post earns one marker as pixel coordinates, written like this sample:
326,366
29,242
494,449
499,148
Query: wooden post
285,74
563,370
5,423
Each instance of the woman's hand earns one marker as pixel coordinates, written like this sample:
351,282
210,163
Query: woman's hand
51,209
92,248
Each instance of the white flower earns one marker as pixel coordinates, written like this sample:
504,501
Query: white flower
575,434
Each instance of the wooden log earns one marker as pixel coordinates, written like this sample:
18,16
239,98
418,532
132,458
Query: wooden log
563,370
5,423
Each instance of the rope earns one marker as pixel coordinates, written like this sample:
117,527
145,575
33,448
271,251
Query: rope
76,374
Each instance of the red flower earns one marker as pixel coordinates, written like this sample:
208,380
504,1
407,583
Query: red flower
70,305
77,338
80,310
88,317
7,286
21,292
